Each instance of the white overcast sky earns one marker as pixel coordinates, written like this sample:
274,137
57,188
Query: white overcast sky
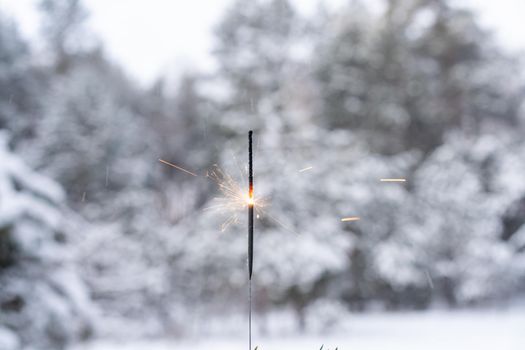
154,37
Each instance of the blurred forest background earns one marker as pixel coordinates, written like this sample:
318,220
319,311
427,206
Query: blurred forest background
98,238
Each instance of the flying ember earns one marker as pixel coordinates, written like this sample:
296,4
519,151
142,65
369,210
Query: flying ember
351,218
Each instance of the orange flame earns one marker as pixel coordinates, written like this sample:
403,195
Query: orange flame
251,200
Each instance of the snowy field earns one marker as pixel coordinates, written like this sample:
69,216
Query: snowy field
480,330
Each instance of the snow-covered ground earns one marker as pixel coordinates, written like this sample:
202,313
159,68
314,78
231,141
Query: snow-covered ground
436,330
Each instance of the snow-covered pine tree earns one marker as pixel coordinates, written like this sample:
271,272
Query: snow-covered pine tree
43,302
405,75
18,83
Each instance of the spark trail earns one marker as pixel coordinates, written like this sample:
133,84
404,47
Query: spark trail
177,167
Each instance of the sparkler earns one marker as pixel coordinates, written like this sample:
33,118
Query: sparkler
250,235
250,205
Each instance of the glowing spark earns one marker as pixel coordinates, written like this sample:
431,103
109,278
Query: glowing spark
234,199
393,180
351,218
305,169
177,167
